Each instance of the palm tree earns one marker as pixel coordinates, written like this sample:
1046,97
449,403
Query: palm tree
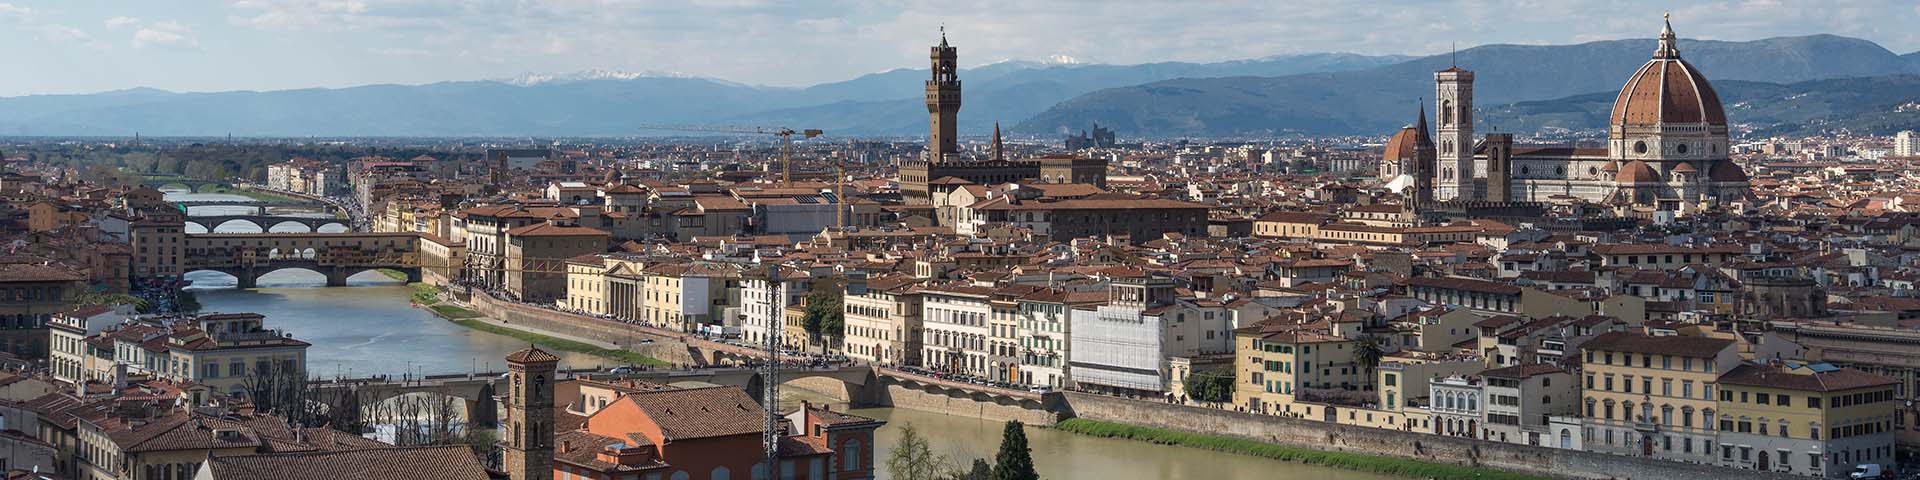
1369,352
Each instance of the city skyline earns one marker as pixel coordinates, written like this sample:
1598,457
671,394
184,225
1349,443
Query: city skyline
273,45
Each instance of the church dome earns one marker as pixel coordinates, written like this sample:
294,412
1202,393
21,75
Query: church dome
1402,145
1726,171
1667,90
1685,167
1636,172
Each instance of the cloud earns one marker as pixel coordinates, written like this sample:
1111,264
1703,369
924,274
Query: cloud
16,12
164,34
57,33
121,21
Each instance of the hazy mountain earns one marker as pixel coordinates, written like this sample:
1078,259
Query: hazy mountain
609,103
1868,105
1378,99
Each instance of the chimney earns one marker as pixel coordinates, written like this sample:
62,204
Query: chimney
119,376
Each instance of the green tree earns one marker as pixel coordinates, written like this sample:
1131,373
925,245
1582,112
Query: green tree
1369,352
913,458
112,300
1210,386
981,470
1015,460
824,315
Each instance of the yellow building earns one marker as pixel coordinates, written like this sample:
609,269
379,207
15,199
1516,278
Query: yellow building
1653,396
1806,419
1291,225
1280,361
587,285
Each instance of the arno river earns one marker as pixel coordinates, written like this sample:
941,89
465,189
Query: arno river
370,327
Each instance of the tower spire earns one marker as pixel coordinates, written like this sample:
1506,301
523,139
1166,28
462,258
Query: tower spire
996,142
1668,41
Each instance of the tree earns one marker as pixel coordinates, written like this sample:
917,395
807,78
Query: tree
825,317
981,470
1369,352
1015,460
1215,386
913,458
112,300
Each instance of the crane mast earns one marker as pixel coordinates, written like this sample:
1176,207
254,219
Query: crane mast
785,134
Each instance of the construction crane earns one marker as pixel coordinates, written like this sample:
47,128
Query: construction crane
785,134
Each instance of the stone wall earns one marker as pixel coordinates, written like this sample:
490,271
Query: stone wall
1419,446
901,396
667,349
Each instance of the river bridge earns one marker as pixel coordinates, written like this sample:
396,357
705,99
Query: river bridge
248,256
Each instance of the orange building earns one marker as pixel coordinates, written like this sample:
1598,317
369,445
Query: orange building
709,433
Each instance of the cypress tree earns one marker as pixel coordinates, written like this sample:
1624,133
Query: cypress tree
1015,460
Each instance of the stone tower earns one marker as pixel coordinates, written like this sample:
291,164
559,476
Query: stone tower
1453,101
529,439
1423,164
1500,167
943,102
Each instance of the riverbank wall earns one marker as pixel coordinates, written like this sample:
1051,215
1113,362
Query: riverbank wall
1549,462
667,349
907,397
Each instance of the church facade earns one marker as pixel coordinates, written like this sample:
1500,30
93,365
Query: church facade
1666,149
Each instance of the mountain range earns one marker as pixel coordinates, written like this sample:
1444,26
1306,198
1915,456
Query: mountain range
1380,99
1323,93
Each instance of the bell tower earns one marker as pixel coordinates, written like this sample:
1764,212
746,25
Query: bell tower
529,439
943,102
1453,104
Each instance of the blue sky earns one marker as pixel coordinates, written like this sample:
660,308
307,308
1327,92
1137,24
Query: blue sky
74,46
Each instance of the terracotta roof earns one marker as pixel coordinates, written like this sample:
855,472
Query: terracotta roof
532,355
1726,171
34,272
1667,90
700,412
1807,378
1665,345
550,230
1522,371
448,462
1636,172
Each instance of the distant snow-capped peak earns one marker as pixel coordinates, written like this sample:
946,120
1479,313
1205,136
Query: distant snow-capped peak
1063,59
595,74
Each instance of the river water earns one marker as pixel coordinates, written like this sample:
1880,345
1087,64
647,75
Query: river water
368,327
371,327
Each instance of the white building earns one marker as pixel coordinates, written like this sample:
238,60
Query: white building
1906,144
1459,406
954,329
1124,346
762,312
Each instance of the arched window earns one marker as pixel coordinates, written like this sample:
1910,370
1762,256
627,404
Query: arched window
1446,112
760,472
1566,439
721,473
680,475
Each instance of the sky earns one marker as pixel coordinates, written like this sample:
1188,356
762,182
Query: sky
82,46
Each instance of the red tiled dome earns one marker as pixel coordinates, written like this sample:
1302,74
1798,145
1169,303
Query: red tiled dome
1686,168
1667,90
1402,146
1726,171
1636,172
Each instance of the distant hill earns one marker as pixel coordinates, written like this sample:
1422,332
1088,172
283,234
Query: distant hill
1867,105
1379,99
609,104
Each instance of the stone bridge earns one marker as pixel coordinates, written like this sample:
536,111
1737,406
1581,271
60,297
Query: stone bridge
260,206
247,256
191,185
265,222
